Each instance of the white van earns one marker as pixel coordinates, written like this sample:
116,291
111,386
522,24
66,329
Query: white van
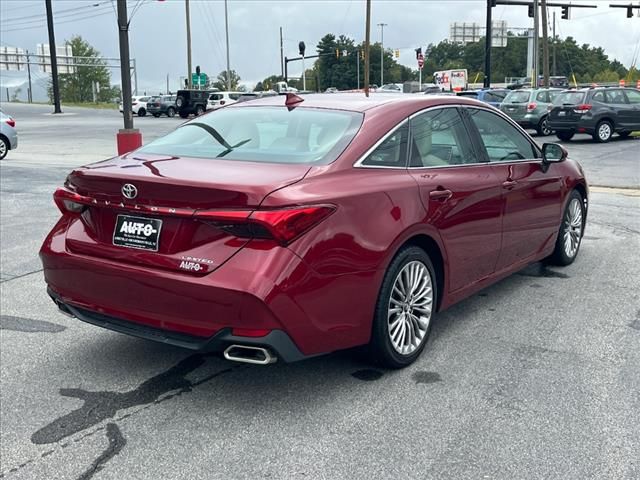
220,99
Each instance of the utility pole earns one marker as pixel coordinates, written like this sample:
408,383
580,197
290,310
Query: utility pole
186,5
358,68
487,46
226,27
282,57
366,48
382,25
536,36
128,139
554,44
30,93
167,84
54,59
545,43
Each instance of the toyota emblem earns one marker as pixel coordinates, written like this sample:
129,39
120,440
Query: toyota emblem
129,191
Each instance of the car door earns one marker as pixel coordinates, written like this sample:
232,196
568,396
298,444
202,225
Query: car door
531,196
620,109
461,195
631,111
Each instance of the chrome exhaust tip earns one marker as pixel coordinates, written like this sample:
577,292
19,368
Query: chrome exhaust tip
249,354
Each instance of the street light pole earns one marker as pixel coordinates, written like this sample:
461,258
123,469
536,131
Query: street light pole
382,25
186,5
487,47
128,139
226,27
54,59
367,43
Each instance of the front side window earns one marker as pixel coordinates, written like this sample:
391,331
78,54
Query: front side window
502,141
598,97
263,134
439,138
392,152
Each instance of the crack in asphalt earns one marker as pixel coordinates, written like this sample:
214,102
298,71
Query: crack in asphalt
116,444
99,406
20,276
29,325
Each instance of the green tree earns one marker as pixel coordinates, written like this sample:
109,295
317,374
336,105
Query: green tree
92,76
221,80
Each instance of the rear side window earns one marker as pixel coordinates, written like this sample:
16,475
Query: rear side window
517,97
392,152
633,96
234,96
439,138
215,96
263,134
569,98
502,141
543,97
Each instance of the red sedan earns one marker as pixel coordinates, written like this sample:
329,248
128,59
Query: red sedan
290,227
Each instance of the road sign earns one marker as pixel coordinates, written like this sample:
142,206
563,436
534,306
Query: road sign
199,80
420,61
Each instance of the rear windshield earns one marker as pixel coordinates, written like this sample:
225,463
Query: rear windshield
263,134
518,97
215,96
569,98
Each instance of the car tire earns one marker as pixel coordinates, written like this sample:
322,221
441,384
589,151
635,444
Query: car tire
184,115
570,232
142,112
565,136
171,112
543,127
604,131
4,147
625,134
199,110
398,334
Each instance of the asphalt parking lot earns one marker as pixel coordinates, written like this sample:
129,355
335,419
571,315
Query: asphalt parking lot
535,377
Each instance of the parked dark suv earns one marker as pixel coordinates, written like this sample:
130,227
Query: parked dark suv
162,104
192,102
598,111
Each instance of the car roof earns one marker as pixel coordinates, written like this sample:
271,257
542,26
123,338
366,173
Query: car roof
358,102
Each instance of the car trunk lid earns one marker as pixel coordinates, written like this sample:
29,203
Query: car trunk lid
170,194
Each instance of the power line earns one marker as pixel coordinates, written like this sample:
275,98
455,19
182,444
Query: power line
73,15
59,13
75,19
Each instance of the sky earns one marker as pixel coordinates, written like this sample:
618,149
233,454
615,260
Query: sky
158,33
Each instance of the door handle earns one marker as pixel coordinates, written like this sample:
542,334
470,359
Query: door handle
440,195
509,184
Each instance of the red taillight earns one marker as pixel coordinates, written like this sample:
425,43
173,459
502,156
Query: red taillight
283,225
11,122
584,108
250,332
531,106
70,202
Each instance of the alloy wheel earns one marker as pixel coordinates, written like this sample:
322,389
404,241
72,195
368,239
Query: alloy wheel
604,132
544,127
3,148
573,228
409,309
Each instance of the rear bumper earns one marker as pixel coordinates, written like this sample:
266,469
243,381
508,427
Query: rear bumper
582,126
258,288
276,341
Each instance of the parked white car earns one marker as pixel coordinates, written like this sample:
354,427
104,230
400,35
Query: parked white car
8,134
138,105
220,99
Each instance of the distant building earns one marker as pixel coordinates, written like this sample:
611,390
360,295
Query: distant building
472,32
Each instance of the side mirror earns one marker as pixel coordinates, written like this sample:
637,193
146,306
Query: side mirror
553,153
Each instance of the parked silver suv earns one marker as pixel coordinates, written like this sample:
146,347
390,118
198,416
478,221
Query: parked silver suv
8,134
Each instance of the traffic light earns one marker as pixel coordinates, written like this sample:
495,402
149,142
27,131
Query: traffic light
362,54
397,53
198,70
301,48
565,12
418,52
629,12
531,14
